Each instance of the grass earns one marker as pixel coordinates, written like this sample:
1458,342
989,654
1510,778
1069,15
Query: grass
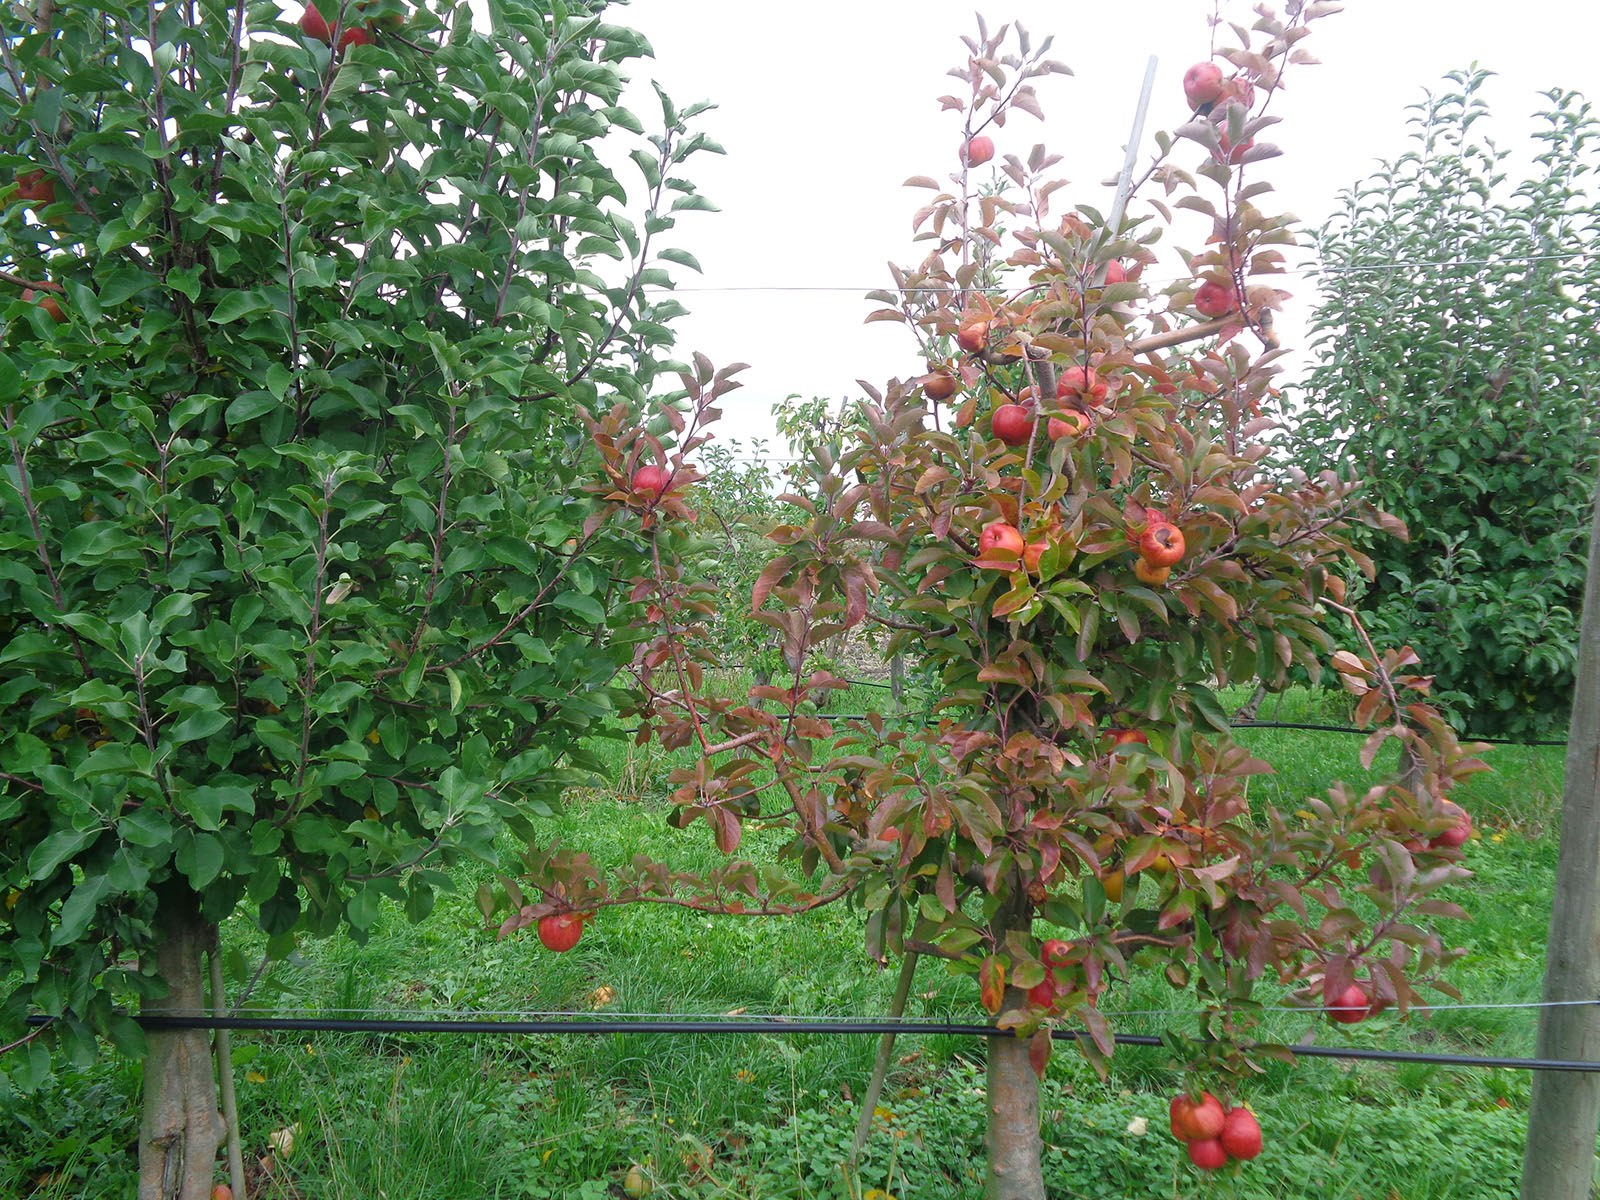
761,1118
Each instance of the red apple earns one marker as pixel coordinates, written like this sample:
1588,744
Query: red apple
940,385
1228,152
35,187
999,537
1055,953
1149,574
973,337
1241,1133
1161,544
1202,84
1458,834
1116,272
1082,382
977,151
1208,1154
1032,553
1122,737
221,1191
314,25
1043,995
1213,300
1068,424
1195,1120
47,302
1349,1006
652,481
560,931
1012,424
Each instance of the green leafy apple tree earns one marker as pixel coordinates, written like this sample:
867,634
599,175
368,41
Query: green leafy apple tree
306,592
1069,511
1484,446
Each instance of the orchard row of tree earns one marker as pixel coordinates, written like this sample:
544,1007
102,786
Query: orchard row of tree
314,586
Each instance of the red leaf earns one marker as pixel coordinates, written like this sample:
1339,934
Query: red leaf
1039,1048
992,983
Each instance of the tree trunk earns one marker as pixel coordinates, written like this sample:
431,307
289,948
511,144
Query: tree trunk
1565,1111
1012,1095
180,1130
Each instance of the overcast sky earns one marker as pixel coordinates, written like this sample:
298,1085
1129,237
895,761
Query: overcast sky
827,107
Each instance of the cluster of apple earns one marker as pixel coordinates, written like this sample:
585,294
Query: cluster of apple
1212,1134
1209,92
314,25
1056,955
37,189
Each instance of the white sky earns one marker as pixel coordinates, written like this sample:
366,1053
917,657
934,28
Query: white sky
827,107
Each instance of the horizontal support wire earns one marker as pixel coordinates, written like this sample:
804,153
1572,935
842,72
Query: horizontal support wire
781,1026
1303,269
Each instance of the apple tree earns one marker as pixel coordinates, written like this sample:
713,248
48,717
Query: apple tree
1068,510
1484,446
303,597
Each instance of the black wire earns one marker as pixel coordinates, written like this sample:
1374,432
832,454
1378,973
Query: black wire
778,1025
1352,729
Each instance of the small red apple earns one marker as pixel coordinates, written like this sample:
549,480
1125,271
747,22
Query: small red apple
1195,1120
1350,1006
1055,953
1068,424
1082,382
560,931
1012,424
1122,737
1459,833
1227,151
1043,995
1116,272
35,187
973,337
47,302
1032,553
1147,573
314,25
221,1191
1202,84
1161,544
977,151
1241,1134
1208,1154
999,537
940,385
652,481
1214,300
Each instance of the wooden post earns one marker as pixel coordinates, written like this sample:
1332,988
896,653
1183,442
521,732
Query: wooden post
224,1051
880,1068
1559,1161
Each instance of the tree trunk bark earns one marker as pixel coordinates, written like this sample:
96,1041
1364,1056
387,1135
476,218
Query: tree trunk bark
1559,1161
180,1129
1013,1134
1012,1095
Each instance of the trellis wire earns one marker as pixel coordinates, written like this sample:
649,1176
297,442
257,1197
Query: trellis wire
786,1026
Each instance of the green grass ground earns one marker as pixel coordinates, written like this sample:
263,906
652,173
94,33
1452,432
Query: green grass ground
768,1117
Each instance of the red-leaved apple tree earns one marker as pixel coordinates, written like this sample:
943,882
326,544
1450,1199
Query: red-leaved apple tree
1070,513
